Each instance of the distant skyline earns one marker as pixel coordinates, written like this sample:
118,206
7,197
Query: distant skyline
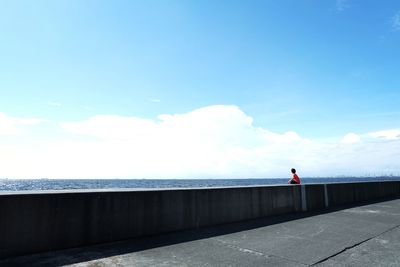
199,89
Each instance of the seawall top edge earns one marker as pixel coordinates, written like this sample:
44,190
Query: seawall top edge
127,190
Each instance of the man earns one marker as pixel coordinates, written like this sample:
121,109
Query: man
295,179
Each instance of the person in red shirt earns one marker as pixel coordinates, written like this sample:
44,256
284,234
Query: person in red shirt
295,179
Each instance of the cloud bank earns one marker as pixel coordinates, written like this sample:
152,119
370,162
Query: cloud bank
15,126
211,142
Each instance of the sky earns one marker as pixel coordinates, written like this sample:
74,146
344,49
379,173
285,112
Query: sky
199,89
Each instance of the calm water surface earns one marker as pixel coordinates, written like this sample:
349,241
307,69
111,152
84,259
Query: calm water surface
58,184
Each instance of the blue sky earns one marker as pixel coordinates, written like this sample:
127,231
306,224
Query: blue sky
320,69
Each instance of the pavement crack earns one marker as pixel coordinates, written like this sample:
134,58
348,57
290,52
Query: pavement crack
353,246
255,253
321,229
245,250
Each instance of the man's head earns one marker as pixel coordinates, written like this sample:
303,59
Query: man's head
293,170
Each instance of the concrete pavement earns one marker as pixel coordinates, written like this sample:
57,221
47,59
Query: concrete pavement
367,235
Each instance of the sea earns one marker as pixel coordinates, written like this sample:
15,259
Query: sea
60,184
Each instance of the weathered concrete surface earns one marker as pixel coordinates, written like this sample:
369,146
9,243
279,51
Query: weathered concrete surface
368,235
380,251
32,222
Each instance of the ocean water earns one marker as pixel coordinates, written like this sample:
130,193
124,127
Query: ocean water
59,184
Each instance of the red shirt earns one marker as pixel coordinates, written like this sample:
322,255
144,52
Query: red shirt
296,178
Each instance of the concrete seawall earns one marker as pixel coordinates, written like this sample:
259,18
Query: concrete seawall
41,221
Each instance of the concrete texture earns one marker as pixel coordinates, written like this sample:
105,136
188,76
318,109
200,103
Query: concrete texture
32,222
368,235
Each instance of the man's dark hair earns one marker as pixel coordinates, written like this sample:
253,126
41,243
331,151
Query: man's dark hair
293,170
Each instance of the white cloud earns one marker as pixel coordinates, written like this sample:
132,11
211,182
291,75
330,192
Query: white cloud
111,127
210,142
386,134
341,5
14,126
350,138
396,21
